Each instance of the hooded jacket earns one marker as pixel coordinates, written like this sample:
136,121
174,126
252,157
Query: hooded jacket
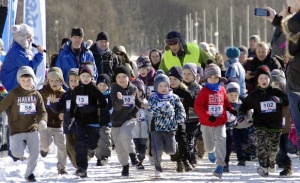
21,121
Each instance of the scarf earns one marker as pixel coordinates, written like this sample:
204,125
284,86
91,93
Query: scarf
214,87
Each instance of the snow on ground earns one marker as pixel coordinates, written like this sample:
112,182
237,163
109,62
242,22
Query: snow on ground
46,172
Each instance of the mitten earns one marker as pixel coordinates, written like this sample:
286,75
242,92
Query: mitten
212,119
42,125
240,118
233,112
275,99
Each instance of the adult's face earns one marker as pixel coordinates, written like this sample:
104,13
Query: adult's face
175,48
103,44
76,41
261,53
253,44
155,57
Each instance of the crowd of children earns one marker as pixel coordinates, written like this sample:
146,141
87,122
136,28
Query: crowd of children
183,113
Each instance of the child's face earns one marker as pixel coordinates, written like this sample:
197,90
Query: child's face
140,93
263,80
188,76
85,78
73,81
174,82
143,71
214,79
122,80
233,97
26,82
276,84
55,83
163,88
198,78
103,87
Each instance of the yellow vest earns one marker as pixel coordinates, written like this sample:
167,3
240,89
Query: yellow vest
191,57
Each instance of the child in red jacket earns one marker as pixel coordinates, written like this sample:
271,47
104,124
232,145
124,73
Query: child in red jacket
211,105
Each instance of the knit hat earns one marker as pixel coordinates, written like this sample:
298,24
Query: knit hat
25,70
20,34
102,36
213,69
161,78
200,71
54,73
158,72
77,31
87,67
233,52
3,91
233,87
122,69
143,61
139,84
233,79
192,67
176,72
278,76
174,37
204,46
256,38
243,49
103,78
73,71
263,69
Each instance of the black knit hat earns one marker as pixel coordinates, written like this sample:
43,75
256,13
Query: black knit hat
103,78
122,69
103,36
77,31
143,61
263,69
176,72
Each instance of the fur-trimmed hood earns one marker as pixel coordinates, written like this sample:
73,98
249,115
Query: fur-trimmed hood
20,34
290,36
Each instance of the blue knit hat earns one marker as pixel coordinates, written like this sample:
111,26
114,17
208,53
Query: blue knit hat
233,52
161,78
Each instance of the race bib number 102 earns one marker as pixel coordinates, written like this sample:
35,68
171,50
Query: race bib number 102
268,106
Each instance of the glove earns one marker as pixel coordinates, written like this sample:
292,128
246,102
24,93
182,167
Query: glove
240,118
233,112
212,119
42,125
275,99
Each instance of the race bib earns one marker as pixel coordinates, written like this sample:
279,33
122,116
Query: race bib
268,106
128,100
82,100
215,110
27,108
141,115
68,105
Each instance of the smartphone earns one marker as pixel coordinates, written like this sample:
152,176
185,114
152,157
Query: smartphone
261,12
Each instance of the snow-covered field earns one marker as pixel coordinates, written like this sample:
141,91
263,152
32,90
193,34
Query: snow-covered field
46,172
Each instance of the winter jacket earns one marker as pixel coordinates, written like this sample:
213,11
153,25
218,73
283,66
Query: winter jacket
20,118
63,106
141,129
291,28
53,119
272,63
86,100
149,79
267,114
105,113
166,111
211,103
126,108
236,70
231,122
105,63
194,88
15,58
67,59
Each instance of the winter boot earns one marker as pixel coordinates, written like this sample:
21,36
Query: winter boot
287,171
241,163
99,163
218,172
262,171
187,166
212,157
272,167
140,165
226,168
31,178
44,153
133,159
179,166
125,171
81,172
